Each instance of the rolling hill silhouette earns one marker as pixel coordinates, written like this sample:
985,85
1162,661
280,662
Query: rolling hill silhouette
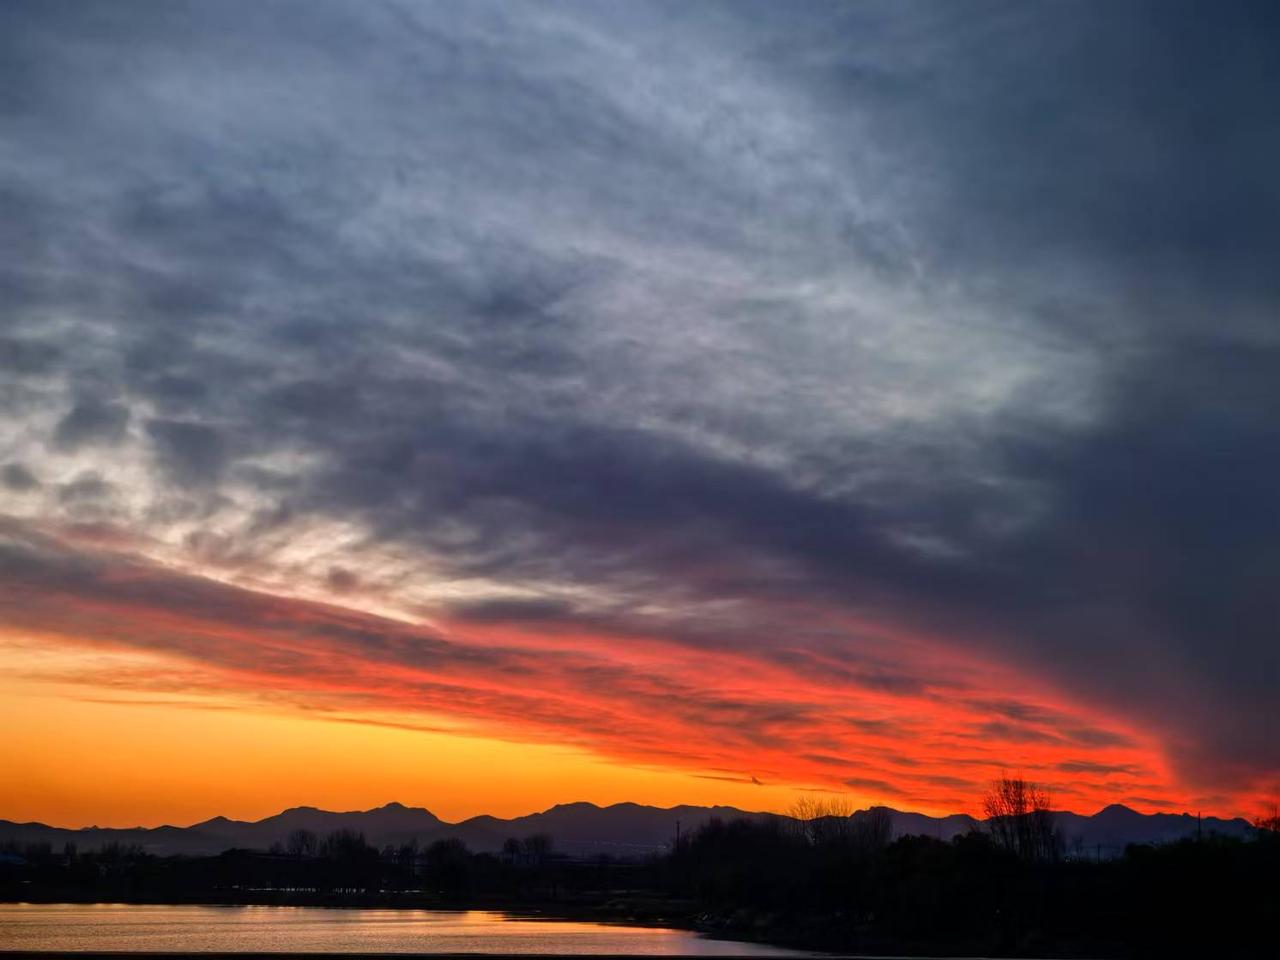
579,829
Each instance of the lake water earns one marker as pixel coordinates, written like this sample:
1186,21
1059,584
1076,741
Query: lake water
120,927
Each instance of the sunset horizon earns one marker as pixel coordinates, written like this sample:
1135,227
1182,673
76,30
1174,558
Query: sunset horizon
859,411
187,721
518,813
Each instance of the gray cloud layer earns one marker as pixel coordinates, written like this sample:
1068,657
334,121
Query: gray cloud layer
954,317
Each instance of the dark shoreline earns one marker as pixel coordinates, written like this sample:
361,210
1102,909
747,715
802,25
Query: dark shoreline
198,955
756,885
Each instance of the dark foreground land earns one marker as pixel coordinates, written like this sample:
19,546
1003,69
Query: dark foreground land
108,955
824,890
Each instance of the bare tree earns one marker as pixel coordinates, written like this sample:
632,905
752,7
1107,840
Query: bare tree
345,845
1269,821
537,847
872,829
1021,820
407,855
821,819
301,843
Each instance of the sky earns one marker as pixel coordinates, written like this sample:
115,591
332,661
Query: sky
489,405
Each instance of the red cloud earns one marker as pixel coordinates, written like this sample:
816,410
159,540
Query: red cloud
890,718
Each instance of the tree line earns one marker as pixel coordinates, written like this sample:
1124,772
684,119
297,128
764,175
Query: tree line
824,877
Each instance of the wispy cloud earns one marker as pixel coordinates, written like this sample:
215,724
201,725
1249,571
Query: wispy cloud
694,707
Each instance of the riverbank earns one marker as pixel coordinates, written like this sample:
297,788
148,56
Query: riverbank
917,896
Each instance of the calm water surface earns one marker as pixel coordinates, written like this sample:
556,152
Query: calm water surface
317,930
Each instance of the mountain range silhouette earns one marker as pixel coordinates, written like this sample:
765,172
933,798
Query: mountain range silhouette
580,829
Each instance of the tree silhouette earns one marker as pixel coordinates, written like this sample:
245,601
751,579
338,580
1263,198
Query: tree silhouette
822,819
872,829
301,843
406,857
448,865
347,846
1269,821
537,847
1020,819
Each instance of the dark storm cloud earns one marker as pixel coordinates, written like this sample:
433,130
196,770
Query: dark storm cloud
953,318
1165,520
1138,137
91,421
191,453
22,356
17,477
512,610
341,580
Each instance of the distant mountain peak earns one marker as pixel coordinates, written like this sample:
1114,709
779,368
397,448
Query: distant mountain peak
582,828
1119,808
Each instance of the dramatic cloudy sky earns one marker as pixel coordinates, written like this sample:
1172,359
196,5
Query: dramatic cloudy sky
865,397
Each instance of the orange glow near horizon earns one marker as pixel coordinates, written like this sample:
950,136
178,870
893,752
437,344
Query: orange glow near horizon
137,762
151,697
121,739
485,410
